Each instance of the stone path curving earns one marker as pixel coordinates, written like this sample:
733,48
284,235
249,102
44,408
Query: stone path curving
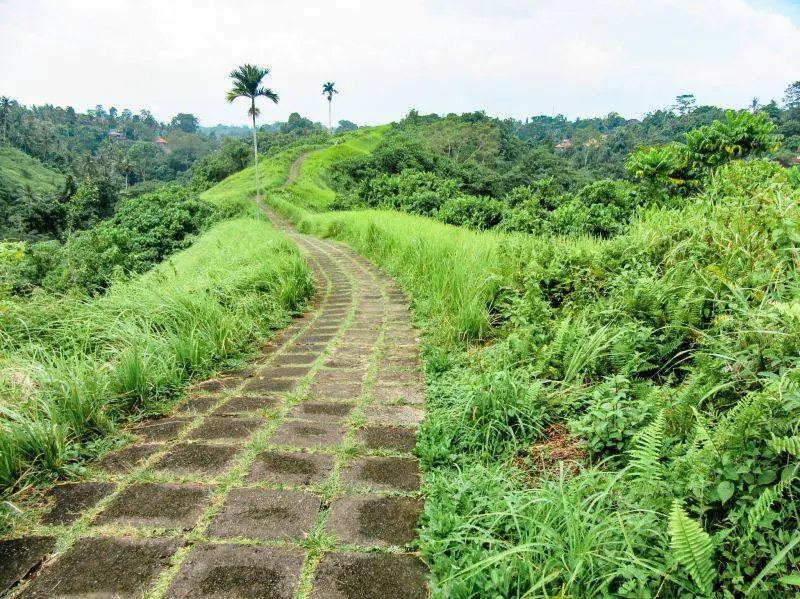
293,477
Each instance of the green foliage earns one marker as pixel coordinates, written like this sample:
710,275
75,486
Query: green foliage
613,414
142,232
682,168
741,135
470,211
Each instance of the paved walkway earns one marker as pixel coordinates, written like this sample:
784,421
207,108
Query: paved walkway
293,477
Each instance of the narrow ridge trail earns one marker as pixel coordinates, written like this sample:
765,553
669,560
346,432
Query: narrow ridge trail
290,478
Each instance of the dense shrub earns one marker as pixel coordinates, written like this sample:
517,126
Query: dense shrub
471,211
142,232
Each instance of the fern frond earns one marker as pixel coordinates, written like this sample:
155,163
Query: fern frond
764,503
692,547
701,432
648,448
785,444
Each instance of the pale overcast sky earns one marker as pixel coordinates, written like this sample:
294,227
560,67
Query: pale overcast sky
508,57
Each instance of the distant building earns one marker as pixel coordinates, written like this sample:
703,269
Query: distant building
163,145
116,134
564,144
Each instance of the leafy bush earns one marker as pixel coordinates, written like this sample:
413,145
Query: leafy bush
470,211
142,232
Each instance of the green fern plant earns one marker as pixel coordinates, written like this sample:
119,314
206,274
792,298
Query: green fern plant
647,451
692,547
785,444
762,505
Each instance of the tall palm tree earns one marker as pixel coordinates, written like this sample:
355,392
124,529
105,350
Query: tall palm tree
329,90
247,81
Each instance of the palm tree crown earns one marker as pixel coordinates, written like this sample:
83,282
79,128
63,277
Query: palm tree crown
328,89
247,84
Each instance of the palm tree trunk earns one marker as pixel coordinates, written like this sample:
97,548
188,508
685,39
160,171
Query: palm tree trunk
255,151
330,125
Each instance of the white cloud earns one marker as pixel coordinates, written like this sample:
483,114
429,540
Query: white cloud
511,58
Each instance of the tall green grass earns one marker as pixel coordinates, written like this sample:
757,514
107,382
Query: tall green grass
74,367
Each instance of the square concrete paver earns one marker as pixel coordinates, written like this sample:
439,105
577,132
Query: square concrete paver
317,337
198,405
248,403
411,394
305,434
321,410
104,568
388,437
286,371
293,359
268,384
393,415
226,428
291,468
219,384
266,514
341,376
198,459
164,429
404,362
19,556
393,376
157,505
72,499
350,575
382,474
334,390
371,520
238,571
128,458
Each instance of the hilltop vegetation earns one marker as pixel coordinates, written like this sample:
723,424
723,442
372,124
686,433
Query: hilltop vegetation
630,428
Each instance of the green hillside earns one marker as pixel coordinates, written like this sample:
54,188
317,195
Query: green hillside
22,174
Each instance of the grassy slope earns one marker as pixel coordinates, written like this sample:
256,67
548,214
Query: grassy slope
20,171
74,367
311,190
